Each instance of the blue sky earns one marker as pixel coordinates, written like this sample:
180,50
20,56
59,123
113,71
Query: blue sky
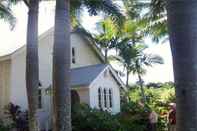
11,40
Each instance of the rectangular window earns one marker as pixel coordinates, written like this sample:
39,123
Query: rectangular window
73,55
105,98
99,98
39,98
110,98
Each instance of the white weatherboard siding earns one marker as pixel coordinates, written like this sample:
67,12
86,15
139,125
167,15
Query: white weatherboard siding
84,95
4,83
84,56
84,53
13,85
18,90
107,82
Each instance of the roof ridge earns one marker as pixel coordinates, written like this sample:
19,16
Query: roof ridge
96,65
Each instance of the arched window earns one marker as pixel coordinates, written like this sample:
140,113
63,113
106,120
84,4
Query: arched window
110,98
100,98
105,98
73,55
39,98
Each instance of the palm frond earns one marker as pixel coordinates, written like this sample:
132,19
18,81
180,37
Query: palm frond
116,58
134,7
158,8
156,20
154,59
106,6
6,14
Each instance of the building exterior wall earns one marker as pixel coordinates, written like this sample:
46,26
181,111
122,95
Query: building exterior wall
18,88
107,82
4,84
13,76
84,56
84,95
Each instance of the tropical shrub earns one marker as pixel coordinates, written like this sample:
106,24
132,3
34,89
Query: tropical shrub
86,119
132,118
158,99
14,117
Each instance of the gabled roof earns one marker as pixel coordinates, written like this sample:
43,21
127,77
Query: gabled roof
84,76
79,76
45,34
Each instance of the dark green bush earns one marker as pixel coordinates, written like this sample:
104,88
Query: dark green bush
132,118
4,126
157,99
87,119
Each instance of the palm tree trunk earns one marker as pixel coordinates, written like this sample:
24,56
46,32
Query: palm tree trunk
61,68
32,68
182,19
127,79
106,55
142,88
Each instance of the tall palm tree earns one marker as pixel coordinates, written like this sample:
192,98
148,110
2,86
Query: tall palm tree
141,61
61,56
107,37
61,67
32,67
135,60
182,19
32,76
126,55
131,34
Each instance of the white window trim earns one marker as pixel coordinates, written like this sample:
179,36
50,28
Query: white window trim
40,95
73,55
105,107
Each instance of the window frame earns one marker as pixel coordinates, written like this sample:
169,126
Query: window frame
73,52
40,104
100,98
110,98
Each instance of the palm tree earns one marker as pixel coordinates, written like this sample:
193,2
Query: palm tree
135,60
32,67
61,67
6,13
126,55
153,14
61,55
182,19
107,37
32,76
131,34
141,61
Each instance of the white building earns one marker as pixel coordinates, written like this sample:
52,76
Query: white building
95,83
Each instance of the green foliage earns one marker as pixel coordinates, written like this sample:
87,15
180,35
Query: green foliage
130,119
87,119
157,99
156,19
108,33
6,123
6,13
133,117
96,6
3,127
